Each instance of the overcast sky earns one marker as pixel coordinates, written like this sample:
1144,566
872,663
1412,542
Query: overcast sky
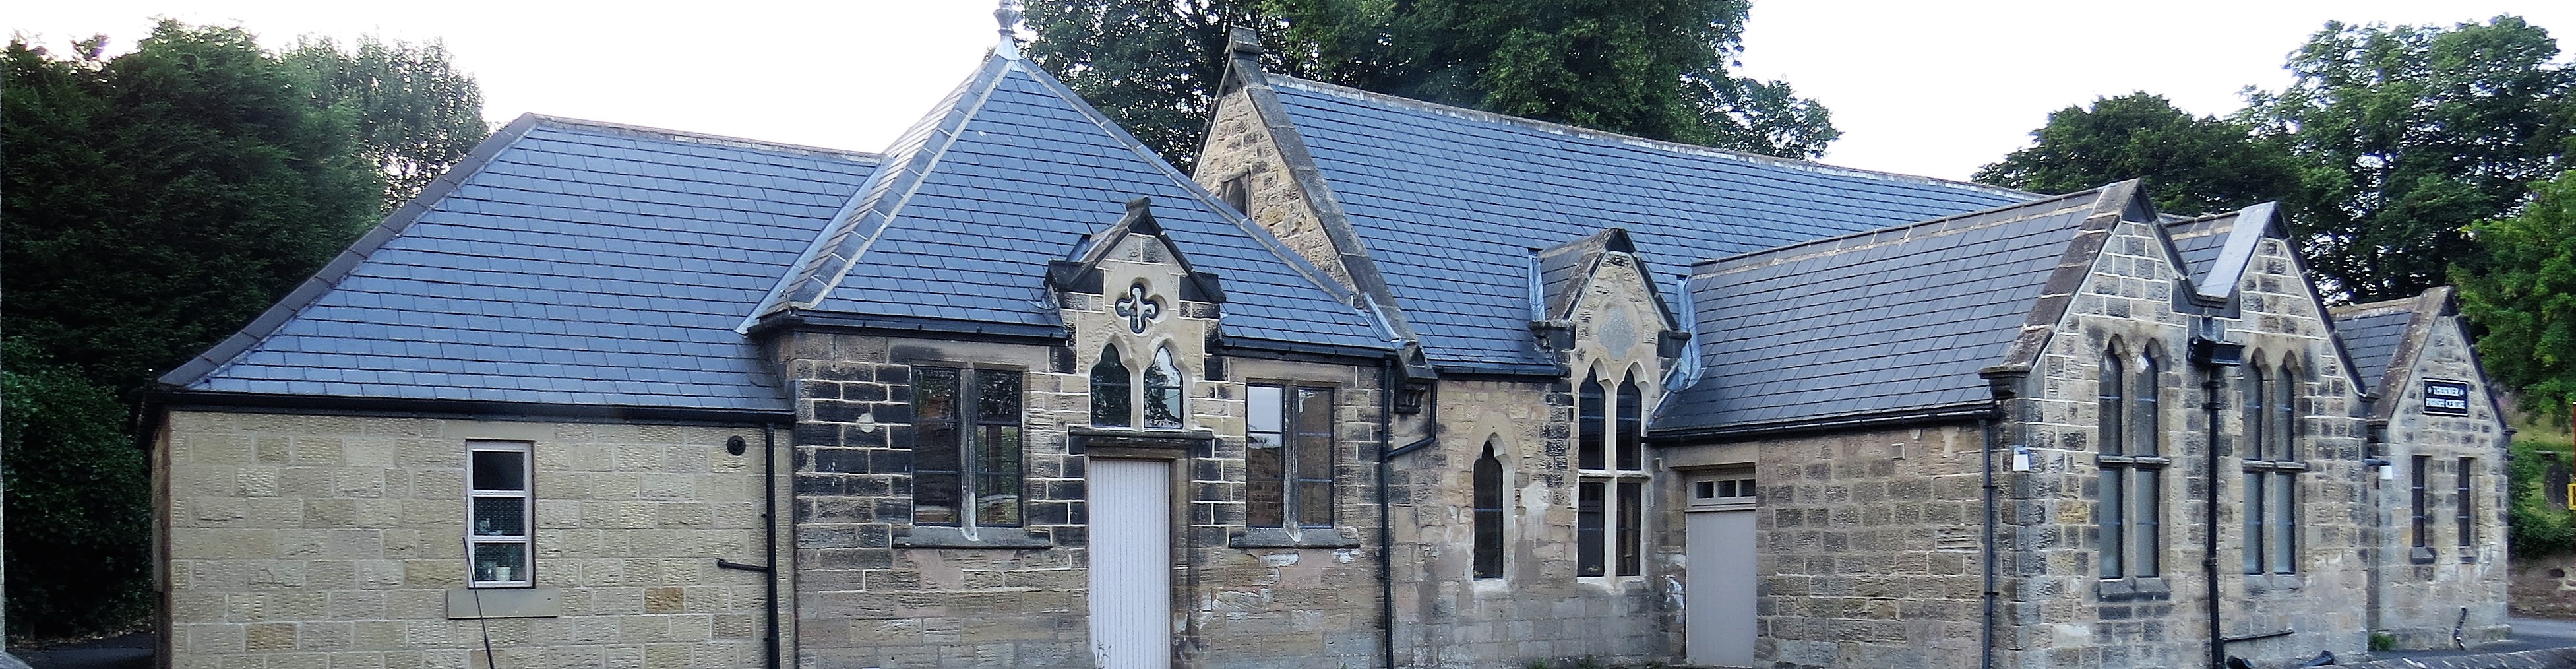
1929,88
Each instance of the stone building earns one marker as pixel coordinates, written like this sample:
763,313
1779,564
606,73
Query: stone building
1385,383
2438,571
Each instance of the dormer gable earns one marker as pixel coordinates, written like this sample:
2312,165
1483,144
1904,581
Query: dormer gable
1594,284
1135,238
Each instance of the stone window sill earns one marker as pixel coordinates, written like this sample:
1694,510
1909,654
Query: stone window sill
1272,537
1000,538
2132,588
2422,555
538,602
2287,584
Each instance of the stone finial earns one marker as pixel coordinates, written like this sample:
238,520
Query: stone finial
1009,16
1242,41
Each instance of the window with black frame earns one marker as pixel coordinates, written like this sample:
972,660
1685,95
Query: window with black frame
966,469
1489,514
1288,456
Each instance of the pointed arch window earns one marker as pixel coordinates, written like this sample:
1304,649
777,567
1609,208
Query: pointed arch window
1109,390
2272,468
1162,397
1489,514
2130,495
1610,500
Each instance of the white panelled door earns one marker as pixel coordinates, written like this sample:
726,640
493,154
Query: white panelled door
1131,564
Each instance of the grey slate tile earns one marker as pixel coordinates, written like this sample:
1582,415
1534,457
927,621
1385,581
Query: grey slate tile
578,253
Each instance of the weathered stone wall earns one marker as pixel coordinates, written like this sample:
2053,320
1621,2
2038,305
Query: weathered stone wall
877,590
1869,553
2425,591
1539,609
335,541
1241,145
2059,612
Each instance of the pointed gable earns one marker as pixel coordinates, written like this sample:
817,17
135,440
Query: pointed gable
563,262
1010,174
1894,320
1449,201
2215,249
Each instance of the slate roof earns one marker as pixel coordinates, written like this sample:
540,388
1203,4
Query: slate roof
1450,201
565,262
1892,320
1010,173
2200,240
2373,334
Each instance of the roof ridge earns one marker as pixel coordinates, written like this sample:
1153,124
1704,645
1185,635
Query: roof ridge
1296,262
329,276
699,137
1643,142
936,131
1745,258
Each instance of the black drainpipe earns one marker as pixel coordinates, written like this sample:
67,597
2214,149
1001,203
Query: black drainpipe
769,534
1985,428
2209,526
1385,513
769,530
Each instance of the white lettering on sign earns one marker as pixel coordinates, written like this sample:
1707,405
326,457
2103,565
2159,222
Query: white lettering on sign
2448,398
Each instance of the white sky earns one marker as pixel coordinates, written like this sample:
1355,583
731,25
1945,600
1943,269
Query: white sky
1927,88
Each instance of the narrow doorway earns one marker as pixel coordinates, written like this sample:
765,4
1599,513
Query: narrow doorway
1131,563
1719,597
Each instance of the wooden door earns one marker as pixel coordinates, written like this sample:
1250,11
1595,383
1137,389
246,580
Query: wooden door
1718,605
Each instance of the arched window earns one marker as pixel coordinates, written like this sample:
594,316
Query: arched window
2147,437
2272,468
1489,514
2129,501
1109,390
1588,425
1631,425
2258,390
1163,391
2112,403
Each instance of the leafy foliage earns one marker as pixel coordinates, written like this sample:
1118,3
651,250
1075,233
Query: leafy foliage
2533,526
2407,134
1151,66
2523,294
1655,68
155,202
2187,165
415,114
77,544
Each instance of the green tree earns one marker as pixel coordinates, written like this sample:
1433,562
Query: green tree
2523,295
1654,68
154,203
78,533
2407,134
2189,165
415,114
1151,66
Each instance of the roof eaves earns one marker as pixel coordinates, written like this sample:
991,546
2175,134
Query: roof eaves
1641,142
268,322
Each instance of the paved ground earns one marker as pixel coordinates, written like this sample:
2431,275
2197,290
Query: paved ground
132,651
2528,634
